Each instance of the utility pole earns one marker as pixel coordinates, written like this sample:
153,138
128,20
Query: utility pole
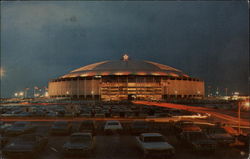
208,91
217,91
239,106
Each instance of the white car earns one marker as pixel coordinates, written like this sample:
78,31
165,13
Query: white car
154,144
112,126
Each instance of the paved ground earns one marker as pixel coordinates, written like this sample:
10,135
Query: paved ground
125,147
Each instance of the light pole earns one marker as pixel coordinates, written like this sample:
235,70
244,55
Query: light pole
35,88
21,94
26,92
208,92
217,92
240,104
2,72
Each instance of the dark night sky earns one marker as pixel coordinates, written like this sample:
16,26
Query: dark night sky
44,40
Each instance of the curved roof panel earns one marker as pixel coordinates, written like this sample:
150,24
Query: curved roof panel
125,67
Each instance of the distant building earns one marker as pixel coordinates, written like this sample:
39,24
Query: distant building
126,79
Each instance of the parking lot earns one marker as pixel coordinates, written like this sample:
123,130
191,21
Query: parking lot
87,111
124,146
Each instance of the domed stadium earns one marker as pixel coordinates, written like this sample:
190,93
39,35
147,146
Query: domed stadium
126,79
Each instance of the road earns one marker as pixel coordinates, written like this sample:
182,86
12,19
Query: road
213,112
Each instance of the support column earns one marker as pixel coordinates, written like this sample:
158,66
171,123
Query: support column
127,87
71,88
118,93
100,92
92,85
78,87
85,87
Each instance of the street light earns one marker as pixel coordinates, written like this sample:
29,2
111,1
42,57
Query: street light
46,94
2,71
21,94
245,104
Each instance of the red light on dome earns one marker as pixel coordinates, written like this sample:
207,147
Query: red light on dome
105,73
174,74
141,73
84,75
155,73
118,73
126,73
91,73
162,73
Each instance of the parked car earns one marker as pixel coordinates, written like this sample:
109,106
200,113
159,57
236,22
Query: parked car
138,127
220,135
25,146
60,112
186,125
85,114
51,114
99,113
61,127
19,127
244,139
154,144
3,141
79,144
88,126
24,114
112,126
190,128
3,126
39,113
198,141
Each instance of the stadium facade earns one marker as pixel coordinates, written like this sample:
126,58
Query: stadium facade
126,79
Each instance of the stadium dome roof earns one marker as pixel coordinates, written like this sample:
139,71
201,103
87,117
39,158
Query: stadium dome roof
125,66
